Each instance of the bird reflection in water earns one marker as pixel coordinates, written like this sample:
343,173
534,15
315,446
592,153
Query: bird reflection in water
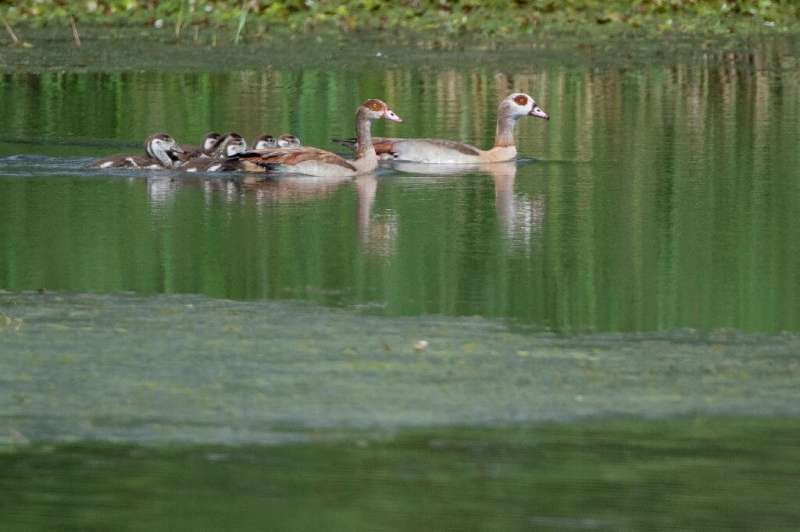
288,189
377,231
520,216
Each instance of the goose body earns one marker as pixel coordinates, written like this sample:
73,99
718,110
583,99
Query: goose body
440,151
206,164
161,151
306,161
322,163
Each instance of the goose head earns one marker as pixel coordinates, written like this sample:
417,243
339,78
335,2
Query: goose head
209,140
288,141
229,145
374,109
520,104
264,142
163,148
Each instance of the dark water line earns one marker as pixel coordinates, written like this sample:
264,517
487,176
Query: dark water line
55,141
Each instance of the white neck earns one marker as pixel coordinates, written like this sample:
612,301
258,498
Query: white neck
156,151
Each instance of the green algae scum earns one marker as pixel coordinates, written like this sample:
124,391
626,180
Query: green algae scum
602,335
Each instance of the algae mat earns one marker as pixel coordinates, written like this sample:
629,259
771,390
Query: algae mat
193,369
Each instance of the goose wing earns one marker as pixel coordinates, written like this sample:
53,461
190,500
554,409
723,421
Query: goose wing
287,157
383,145
124,161
390,146
460,147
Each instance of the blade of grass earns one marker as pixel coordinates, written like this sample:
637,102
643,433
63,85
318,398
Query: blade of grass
75,35
11,31
179,21
242,21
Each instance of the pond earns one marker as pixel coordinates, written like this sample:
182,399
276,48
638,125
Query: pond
553,343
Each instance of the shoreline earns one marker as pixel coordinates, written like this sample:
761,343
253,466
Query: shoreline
448,19
110,49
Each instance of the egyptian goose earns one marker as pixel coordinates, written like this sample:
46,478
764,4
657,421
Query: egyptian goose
441,151
288,141
322,163
205,147
161,152
226,146
266,142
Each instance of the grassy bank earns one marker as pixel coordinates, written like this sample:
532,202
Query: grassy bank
494,18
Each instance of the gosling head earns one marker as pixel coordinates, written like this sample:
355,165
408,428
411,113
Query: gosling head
229,145
264,142
163,148
209,140
288,141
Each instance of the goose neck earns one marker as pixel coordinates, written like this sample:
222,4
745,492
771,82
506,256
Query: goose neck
363,135
504,134
160,154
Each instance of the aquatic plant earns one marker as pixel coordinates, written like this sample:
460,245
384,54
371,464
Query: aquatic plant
454,17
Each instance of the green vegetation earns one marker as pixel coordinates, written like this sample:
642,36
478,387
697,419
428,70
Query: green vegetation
495,18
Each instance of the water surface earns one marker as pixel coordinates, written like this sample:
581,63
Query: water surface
655,198
611,322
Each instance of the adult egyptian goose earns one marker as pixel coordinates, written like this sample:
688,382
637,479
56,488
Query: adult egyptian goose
442,151
161,152
206,145
321,163
226,146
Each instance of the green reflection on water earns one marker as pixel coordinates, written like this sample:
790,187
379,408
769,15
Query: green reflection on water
686,474
663,197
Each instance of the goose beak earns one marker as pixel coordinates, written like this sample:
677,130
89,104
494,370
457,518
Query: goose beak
390,115
538,111
178,149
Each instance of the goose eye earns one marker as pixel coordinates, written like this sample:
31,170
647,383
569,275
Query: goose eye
521,100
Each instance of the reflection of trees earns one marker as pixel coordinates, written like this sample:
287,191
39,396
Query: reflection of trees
664,195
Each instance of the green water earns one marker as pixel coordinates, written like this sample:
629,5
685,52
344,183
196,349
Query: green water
611,323
659,198
678,475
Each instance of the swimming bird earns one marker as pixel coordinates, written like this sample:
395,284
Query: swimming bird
318,162
265,142
161,152
226,146
511,109
288,141
205,147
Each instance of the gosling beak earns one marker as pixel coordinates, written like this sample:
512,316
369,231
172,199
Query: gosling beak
538,111
390,115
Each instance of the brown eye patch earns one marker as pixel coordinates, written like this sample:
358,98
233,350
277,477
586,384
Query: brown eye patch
374,105
521,100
